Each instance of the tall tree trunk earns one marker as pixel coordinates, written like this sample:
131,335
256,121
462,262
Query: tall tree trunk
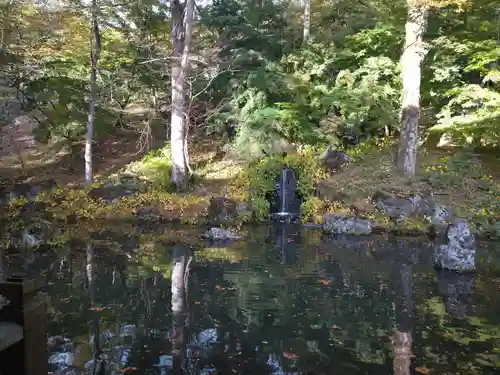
181,41
307,21
413,54
94,56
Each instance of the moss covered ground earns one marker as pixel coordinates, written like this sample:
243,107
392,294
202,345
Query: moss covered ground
465,181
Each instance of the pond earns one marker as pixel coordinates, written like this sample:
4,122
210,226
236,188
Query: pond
286,301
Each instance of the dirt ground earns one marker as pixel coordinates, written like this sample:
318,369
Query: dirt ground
22,159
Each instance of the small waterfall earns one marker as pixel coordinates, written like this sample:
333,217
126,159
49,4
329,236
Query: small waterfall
285,202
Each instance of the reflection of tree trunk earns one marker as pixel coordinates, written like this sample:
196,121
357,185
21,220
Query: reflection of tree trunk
402,339
92,302
1,265
402,353
180,271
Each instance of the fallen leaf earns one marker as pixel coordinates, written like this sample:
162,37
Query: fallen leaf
288,355
422,370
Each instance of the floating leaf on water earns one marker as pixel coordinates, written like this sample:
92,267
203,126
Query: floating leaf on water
288,355
422,370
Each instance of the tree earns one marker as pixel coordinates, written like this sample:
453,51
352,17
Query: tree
307,21
414,53
94,56
182,23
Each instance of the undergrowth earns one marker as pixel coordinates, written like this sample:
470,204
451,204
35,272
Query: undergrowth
455,178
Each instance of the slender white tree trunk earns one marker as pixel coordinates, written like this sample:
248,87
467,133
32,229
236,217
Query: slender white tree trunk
413,54
307,21
94,55
181,40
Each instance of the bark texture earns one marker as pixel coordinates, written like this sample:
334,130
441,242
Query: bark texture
307,21
411,60
94,56
182,21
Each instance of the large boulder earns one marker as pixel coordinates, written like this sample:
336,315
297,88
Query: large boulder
340,224
115,188
29,191
399,208
335,160
458,253
394,207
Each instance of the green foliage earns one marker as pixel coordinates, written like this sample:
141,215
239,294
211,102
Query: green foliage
472,116
155,167
259,178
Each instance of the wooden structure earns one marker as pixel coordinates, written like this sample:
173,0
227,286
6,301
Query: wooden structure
23,328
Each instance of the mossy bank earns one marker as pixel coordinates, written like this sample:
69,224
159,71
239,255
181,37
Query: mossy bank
230,192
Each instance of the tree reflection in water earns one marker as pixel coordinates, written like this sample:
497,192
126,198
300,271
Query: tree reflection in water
280,303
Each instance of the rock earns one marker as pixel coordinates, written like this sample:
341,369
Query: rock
335,160
219,234
362,207
395,208
120,186
339,224
35,234
431,210
222,210
324,190
458,253
415,205
111,194
149,214
13,192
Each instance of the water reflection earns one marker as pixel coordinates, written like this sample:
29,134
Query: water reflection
286,302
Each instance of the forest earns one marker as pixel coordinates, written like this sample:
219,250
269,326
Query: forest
128,126
158,107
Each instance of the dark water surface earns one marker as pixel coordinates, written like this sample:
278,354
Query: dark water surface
283,302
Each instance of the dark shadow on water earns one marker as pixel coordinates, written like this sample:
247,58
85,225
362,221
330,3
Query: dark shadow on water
286,302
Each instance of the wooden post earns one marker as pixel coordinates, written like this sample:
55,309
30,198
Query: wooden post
23,342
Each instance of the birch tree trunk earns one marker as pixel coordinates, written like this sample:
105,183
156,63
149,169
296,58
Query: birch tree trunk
413,54
181,41
307,21
94,56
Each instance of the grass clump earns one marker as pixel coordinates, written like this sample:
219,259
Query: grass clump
155,167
